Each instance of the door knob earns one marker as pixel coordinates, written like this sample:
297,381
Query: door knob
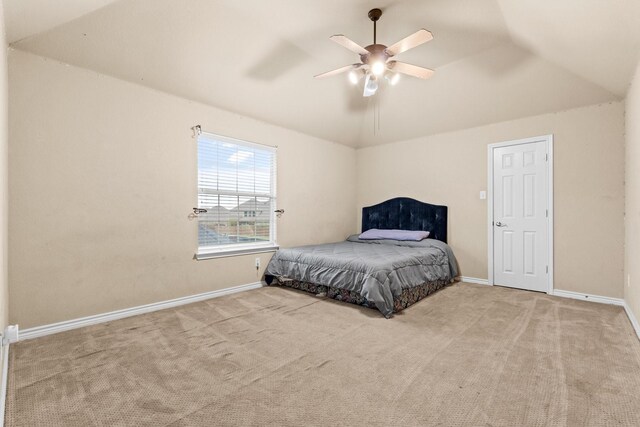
499,224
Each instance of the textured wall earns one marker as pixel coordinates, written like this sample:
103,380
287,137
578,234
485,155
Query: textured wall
451,169
4,185
103,176
632,197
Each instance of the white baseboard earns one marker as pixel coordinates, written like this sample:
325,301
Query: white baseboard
67,325
588,297
473,280
632,319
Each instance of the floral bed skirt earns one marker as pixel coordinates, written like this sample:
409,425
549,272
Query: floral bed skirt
407,297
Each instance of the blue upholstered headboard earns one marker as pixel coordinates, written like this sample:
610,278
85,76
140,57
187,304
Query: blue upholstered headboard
403,213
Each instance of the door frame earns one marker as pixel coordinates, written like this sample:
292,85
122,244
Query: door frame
548,140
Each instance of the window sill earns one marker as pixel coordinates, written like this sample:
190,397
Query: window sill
223,253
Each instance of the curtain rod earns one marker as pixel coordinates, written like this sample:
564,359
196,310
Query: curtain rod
197,131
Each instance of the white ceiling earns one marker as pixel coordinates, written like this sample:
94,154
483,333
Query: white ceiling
495,60
28,17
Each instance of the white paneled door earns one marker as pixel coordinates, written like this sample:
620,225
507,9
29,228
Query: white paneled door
521,215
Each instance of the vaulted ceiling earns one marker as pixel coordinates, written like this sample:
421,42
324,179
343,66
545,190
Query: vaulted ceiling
495,60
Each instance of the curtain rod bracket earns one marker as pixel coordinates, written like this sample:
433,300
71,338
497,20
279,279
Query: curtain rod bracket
197,131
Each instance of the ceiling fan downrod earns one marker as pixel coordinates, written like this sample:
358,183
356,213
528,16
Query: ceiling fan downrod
374,15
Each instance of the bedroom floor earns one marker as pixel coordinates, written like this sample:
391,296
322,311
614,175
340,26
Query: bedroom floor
467,355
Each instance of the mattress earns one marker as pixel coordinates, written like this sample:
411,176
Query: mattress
379,271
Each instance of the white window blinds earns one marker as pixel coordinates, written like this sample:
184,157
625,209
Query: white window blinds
236,185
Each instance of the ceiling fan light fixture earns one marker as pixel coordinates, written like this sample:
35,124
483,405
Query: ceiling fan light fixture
370,86
393,78
377,68
354,77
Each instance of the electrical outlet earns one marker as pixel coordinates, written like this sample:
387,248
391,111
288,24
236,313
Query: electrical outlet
257,263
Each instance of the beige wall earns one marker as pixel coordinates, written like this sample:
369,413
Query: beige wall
4,186
632,197
103,176
451,169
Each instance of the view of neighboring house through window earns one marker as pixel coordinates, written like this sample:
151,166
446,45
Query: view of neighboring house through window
236,185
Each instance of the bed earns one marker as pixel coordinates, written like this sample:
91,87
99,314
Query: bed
389,275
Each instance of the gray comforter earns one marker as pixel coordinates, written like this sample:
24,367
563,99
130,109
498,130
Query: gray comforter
377,269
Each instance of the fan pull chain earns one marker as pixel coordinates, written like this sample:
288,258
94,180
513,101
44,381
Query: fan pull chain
376,117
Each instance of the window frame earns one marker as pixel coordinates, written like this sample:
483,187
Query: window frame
235,249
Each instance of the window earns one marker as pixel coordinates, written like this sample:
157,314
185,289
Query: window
236,185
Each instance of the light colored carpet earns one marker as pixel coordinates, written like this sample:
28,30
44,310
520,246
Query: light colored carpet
469,355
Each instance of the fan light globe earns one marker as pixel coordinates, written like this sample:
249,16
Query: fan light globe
370,86
377,68
353,77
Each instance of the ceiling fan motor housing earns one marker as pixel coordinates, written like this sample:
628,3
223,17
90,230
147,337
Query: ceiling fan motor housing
376,51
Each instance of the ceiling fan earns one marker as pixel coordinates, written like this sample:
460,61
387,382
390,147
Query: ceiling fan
375,59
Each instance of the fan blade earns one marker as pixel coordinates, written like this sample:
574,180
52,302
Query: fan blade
338,71
415,39
411,70
349,44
